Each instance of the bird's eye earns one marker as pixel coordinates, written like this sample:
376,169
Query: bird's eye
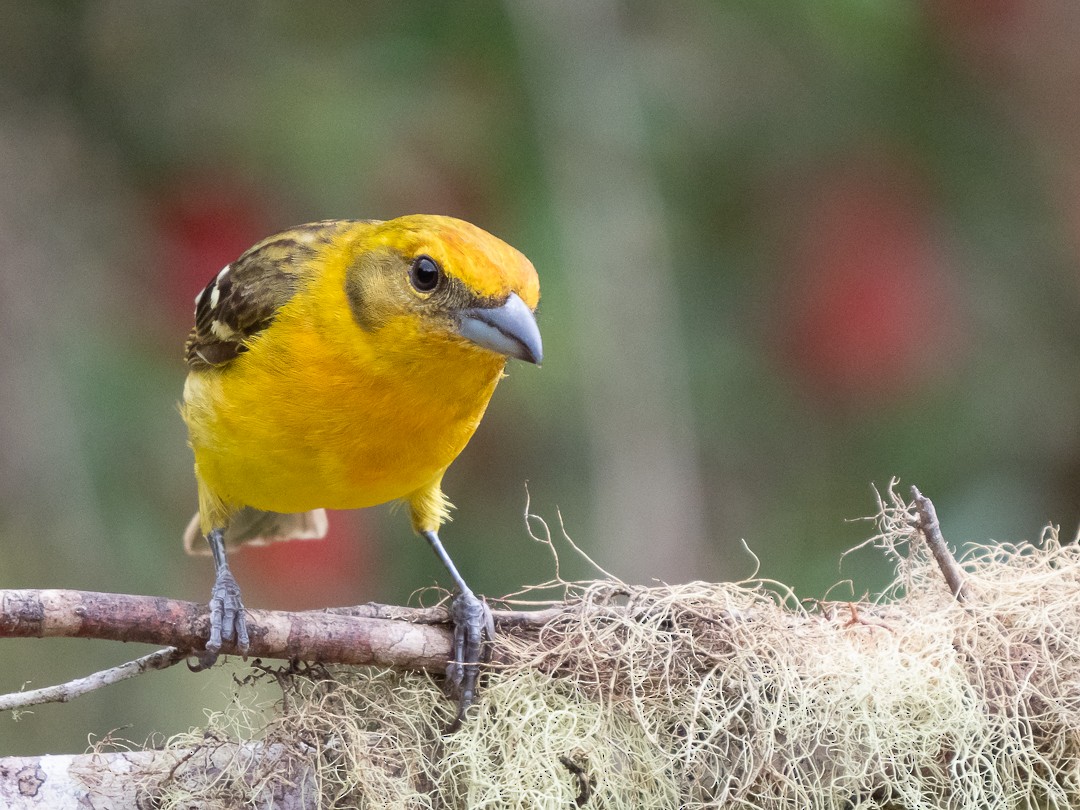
424,274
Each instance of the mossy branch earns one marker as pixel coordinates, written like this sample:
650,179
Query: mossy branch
955,689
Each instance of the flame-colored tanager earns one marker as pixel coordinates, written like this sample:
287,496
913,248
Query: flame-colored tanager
344,364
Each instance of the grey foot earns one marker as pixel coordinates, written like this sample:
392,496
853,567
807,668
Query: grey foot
227,619
473,628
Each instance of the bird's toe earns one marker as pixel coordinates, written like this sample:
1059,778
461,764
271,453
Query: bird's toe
473,629
228,621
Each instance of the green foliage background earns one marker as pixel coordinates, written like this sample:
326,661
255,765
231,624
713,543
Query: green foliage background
786,251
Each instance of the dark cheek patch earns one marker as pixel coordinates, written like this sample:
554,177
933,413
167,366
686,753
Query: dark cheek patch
356,296
369,286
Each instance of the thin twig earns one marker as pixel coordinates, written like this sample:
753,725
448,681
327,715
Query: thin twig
63,692
928,526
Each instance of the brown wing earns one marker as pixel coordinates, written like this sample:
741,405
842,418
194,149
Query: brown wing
244,297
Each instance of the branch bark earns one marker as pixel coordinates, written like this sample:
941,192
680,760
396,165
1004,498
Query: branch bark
365,635
104,780
317,636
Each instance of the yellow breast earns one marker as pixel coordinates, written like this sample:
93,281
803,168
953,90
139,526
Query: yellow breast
297,423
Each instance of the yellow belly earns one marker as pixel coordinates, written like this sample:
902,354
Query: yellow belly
289,429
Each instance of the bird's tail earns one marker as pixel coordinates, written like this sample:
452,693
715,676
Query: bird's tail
254,527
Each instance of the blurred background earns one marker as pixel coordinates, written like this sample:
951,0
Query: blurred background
787,252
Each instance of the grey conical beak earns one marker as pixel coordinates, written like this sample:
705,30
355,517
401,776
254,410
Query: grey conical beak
508,329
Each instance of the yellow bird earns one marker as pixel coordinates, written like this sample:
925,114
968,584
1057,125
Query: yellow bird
344,364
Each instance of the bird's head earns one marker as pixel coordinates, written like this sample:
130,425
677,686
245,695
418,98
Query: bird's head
435,278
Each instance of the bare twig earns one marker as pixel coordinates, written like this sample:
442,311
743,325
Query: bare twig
371,634
312,636
62,693
928,526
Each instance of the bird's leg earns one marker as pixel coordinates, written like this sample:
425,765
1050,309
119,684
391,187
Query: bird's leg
227,619
473,626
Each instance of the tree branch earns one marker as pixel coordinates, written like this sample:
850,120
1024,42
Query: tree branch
321,636
371,634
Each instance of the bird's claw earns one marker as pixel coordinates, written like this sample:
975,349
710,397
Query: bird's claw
474,627
228,621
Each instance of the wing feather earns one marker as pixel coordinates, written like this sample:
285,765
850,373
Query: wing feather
244,297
